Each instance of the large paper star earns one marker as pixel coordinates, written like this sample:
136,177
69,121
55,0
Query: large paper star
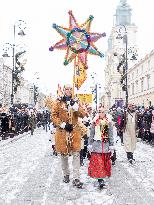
77,40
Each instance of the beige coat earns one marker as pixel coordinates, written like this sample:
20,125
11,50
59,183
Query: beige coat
60,114
130,133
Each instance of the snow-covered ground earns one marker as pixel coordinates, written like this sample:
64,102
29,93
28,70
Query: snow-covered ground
31,175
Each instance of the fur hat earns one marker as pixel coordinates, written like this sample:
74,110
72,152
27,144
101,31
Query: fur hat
67,86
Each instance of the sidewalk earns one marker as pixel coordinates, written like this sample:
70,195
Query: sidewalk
10,140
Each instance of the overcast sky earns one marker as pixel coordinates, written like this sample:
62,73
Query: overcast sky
41,14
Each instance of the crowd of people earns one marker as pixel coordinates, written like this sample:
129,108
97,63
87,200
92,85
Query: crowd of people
144,126
84,133
17,120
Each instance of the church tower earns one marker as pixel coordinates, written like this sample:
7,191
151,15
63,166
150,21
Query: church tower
116,45
123,13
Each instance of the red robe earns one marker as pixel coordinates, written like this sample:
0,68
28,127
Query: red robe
100,163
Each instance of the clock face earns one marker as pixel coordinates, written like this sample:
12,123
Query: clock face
78,40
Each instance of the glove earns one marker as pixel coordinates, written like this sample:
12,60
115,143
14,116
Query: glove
75,107
68,127
63,125
72,102
111,149
89,147
87,124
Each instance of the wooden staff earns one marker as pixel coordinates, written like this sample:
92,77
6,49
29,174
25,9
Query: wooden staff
69,135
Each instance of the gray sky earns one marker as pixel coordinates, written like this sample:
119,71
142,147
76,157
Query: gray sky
41,14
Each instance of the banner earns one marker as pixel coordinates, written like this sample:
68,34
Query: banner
86,98
80,74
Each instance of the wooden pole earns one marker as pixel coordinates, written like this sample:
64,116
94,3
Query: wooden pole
73,88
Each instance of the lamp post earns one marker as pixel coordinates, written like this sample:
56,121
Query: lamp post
126,67
36,88
36,94
22,26
95,90
124,58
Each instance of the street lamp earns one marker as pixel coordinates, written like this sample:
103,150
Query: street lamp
95,90
35,87
123,60
15,71
36,94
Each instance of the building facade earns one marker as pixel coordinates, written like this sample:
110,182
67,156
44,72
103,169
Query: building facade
5,84
123,26
141,81
24,94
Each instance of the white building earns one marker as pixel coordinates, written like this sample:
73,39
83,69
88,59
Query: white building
41,101
24,94
5,84
117,45
141,81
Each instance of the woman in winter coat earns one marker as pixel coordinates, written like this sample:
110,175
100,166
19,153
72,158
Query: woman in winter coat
100,144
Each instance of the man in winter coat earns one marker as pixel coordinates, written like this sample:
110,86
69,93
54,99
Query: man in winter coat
4,125
31,122
65,114
130,132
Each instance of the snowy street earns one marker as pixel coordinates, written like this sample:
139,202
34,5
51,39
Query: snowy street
31,175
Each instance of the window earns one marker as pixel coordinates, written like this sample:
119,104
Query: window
142,83
136,86
148,64
132,88
142,69
128,90
148,84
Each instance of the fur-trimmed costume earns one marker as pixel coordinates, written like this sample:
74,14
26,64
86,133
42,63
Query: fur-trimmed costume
60,114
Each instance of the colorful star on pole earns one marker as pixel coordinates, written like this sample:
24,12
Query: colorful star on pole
77,40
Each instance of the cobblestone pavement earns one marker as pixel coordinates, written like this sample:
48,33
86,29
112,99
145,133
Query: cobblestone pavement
31,175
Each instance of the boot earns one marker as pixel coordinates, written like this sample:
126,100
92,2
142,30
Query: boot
130,161
130,158
77,183
152,143
66,179
101,183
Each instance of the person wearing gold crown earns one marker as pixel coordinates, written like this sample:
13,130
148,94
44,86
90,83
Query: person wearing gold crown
65,114
101,147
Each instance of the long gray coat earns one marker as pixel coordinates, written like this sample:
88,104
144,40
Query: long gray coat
130,133
97,145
